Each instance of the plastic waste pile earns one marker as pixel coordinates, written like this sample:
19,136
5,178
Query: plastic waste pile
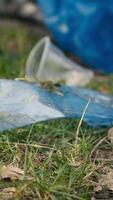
32,100
84,28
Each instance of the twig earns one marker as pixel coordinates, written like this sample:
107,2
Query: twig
97,145
27,145
81,120
26,151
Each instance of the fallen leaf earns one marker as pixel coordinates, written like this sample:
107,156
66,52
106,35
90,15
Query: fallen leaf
11,172
110,135
7,193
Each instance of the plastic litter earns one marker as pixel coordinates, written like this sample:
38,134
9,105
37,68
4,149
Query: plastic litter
47,62
23,103
83,27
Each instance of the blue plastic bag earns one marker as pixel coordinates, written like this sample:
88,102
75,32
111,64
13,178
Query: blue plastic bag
23,103
83,27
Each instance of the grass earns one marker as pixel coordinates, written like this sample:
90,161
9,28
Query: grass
58,169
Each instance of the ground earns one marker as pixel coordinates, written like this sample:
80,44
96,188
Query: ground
56,165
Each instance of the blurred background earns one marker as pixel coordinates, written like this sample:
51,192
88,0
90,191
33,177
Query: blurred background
83,30
20,8
20,28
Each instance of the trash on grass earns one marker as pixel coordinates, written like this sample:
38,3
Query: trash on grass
47,62
23,103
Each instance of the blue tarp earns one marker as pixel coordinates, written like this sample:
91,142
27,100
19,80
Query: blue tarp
83,27
23,103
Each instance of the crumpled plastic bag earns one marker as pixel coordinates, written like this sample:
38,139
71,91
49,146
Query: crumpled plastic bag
83,27
23,103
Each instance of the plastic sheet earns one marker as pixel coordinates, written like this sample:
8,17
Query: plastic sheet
84,28
23,103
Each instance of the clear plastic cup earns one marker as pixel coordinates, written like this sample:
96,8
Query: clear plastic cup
46,62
